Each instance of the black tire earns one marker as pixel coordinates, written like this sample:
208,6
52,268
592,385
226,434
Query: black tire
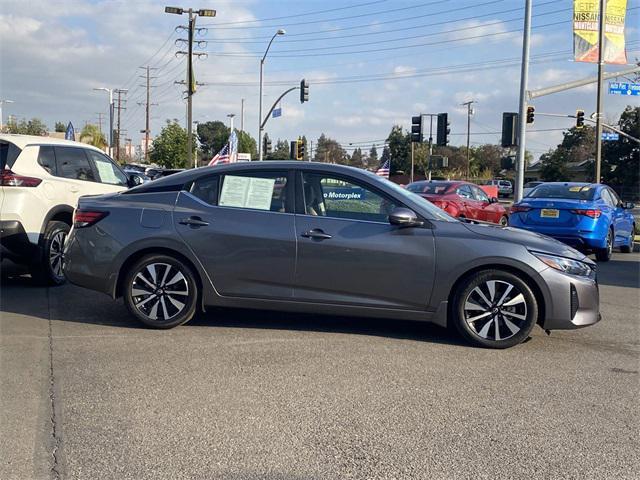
504,221
48,270
604,254
628,248
505,321
163,287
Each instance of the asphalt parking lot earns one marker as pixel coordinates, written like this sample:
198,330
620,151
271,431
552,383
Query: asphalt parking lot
86,393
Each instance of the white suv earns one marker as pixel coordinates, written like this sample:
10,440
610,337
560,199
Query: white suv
41,179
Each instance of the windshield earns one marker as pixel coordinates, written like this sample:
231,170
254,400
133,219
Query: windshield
403,193
428,188
569,192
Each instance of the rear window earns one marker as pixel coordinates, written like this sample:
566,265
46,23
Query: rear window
505,183
569,192
8,154
428,188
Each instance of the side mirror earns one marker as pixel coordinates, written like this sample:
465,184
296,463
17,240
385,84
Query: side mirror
628,205
403,217
134,180
493,200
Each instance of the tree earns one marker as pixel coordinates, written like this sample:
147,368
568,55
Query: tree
621,163
373,156
281,151
330,151
247,144
92,135
60,127
386,155
357,159
169,149
399,148
212,137
35,126
554,167
488,157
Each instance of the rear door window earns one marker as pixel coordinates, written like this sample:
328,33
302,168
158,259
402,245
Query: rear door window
47,159
465,192
256,191
479,194
72,163
206,189
8,155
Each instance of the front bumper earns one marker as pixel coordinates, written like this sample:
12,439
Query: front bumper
574,301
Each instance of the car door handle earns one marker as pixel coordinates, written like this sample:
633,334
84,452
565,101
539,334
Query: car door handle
317,234
193,222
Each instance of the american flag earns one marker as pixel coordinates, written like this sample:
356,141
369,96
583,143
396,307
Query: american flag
228,153
383,171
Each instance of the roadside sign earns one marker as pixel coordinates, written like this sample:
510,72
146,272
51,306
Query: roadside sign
277,112
618,88
608,136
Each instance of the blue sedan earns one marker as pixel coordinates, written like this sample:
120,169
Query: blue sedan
587,216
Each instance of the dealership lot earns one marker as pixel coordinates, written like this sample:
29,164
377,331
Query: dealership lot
86,393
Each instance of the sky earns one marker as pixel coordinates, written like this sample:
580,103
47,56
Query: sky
370,64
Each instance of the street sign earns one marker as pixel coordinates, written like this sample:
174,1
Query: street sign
618,88
277,112
609,136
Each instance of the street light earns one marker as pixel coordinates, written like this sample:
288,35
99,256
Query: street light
110,92
279,32
2,102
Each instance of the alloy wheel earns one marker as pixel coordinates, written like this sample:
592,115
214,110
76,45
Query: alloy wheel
495,310
56,247
609,243
160,291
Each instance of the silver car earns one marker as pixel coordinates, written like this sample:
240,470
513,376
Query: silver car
322,238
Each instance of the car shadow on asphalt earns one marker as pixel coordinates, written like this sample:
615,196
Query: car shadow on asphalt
619,273
92,308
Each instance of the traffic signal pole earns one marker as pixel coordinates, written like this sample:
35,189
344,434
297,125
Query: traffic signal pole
522,124
601,22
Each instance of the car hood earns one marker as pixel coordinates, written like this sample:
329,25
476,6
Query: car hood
530,240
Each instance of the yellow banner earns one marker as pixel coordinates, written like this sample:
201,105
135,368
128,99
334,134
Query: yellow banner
585,31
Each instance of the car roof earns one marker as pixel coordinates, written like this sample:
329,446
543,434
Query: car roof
186,176
21,141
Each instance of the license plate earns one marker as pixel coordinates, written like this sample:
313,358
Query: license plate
549,213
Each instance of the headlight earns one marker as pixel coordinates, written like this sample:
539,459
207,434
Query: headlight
566,265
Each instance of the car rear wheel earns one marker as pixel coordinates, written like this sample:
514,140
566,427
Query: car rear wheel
504,221
628,248
494,309
604,254
49,269
161,291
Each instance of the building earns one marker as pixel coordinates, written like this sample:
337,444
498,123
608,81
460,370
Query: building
578,171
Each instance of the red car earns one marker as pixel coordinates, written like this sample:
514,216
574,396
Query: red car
462,200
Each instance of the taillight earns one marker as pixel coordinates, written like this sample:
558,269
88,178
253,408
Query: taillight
587,212
10,179
519,208
86,218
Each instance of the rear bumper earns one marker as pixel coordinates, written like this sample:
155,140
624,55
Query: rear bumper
15,242
580,239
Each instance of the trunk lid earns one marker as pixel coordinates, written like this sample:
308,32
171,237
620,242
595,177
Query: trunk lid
552,212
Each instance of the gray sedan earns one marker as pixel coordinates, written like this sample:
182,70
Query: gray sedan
325,239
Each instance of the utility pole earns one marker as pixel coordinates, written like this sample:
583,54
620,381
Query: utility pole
242,115
147,104
100,115
2,102
119,107
469,113
522,110
601,40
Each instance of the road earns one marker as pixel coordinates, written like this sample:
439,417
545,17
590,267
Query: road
86,393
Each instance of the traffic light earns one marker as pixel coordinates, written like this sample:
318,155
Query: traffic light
416,129
509,129
579,119
266,146
530,113
304,91
443,131
300,150
293,151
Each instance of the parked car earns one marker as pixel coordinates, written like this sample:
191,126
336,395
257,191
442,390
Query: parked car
332,240
41,179
505,187
588,216
461,200
529,186
156,172
136,174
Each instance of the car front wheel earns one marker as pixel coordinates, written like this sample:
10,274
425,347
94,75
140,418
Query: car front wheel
494,309
161,291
